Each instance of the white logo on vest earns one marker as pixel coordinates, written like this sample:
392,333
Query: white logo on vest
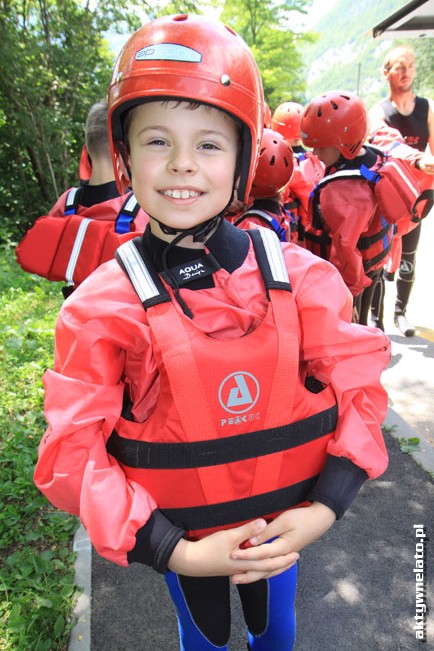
239,392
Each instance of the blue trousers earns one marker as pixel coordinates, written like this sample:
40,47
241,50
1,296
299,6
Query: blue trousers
204,617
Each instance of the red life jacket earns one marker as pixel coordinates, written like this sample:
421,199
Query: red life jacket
375,243
69,248
284,225
236,433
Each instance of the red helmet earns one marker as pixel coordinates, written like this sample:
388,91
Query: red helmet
275,165
193,58
286,120
267,116
336,119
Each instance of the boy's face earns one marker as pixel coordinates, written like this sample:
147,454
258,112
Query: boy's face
327,155
182,162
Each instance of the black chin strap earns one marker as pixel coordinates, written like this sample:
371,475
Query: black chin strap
199,234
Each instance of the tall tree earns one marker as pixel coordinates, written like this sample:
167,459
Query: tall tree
269,28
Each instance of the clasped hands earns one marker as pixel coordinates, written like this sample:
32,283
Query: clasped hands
272,548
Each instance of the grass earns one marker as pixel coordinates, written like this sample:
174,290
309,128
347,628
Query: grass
409,445
37,590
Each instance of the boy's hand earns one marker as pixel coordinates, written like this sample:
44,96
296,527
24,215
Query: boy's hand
292,531
214,555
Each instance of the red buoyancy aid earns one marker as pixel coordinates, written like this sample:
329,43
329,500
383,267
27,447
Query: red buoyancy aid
374,243
69,248
308,171
236,433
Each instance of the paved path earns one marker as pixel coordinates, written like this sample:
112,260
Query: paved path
409,379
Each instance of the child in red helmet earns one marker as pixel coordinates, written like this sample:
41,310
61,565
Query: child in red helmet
205,368
86,223
273,173
308,169
345,225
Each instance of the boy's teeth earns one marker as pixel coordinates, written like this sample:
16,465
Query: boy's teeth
182,194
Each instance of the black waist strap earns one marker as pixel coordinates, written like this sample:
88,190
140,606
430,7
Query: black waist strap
366,241
213,452
226,513
367,264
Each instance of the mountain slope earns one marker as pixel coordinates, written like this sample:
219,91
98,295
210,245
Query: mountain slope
345,55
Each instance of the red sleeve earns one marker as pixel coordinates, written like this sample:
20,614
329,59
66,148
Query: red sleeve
351,358
83,401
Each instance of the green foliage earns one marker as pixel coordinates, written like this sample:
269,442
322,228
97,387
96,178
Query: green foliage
424,81
266,26
409,445
55,65
36,577
56,62
346,56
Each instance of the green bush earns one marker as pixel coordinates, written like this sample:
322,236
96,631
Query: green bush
37,590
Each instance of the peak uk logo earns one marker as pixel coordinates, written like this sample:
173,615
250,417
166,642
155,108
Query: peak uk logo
239,392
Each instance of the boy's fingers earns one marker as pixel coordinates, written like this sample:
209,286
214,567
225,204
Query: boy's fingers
273,569
250,530
267,533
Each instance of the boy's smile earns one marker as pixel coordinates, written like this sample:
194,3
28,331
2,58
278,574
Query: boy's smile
182,160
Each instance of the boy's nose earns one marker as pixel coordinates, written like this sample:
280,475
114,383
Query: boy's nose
183,161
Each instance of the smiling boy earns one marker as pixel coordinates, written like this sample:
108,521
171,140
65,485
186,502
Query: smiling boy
215,425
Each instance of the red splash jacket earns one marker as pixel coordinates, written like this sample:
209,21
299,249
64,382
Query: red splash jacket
107,345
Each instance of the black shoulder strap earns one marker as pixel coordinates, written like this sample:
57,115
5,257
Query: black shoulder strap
268,218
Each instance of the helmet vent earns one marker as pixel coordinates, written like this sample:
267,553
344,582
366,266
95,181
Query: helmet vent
319,114
272,161
334,106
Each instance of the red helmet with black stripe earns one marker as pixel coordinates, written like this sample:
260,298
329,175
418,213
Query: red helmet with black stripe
188,57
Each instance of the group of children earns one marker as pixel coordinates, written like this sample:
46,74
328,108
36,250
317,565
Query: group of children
214,406
330,203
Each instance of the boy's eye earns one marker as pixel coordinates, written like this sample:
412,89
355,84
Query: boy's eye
209,145
157,141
